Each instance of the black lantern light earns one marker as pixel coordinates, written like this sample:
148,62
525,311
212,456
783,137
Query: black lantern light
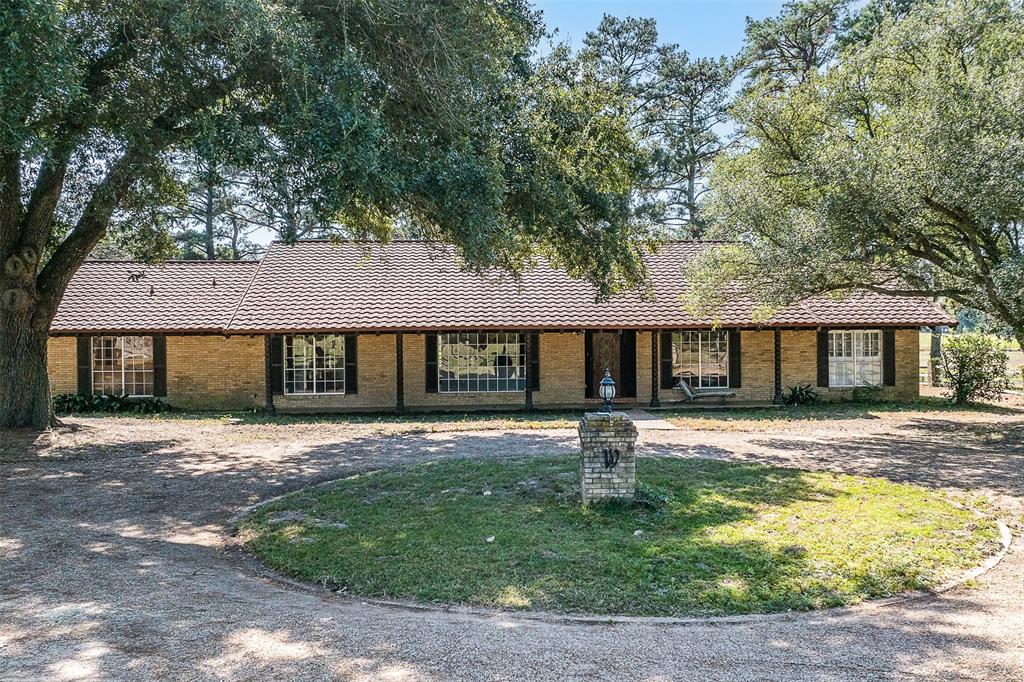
607,390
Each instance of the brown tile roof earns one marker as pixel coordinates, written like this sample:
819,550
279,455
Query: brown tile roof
187,296
320,286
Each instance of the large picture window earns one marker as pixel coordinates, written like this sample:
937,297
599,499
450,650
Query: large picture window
314,364
491,362
701,358
122,365
855,358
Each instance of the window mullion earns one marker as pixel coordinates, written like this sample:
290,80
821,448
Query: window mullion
858,353
700,359
120,341
315,368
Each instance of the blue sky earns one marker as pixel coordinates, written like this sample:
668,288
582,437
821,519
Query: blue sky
705,28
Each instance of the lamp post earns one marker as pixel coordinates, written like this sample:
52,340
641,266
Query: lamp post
607,390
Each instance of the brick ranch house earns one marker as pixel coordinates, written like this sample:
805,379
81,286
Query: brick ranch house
324,327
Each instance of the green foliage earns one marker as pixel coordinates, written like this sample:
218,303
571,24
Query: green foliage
675,105
974,367
790,47
368,114
651,497
801,395
893,165
714,537
867,393
72,403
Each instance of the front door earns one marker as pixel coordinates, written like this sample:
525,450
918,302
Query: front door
605,353
615,351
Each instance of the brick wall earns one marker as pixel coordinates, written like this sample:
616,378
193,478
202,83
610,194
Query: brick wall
216,372
800,366
213,372
377,369
757,366
561,370
643,368
62,364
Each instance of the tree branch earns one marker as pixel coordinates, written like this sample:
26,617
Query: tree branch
89,230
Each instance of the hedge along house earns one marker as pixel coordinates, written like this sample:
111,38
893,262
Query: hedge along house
323,327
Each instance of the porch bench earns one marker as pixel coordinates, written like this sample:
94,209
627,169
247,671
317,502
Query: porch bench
683,386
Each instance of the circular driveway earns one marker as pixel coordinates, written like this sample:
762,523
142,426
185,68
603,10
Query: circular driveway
117,562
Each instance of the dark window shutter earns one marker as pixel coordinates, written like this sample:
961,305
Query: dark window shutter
534,361
889,357
735,369
84,365
276,365
351,365
160,366
588,363
627,364
667,380
430,362
823,358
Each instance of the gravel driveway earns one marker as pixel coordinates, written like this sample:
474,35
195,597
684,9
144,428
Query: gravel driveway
116,561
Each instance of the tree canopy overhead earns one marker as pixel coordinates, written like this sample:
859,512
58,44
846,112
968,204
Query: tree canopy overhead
676,106
895,165
425,113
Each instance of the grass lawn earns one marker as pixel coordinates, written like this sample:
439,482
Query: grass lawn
706,537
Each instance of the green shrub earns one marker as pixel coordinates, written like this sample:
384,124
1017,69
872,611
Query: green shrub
974,367
68,403
802,395
866,393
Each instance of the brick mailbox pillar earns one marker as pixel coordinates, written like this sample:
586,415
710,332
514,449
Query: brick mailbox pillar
607,456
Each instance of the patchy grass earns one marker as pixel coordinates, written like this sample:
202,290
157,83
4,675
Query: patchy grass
774,418
704,537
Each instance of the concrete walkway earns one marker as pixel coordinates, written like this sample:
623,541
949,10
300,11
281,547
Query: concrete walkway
117,561
645,421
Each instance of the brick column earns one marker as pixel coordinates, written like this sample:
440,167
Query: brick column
607,456
527,369
399,372
777,397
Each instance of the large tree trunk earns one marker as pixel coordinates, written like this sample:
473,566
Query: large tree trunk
24,384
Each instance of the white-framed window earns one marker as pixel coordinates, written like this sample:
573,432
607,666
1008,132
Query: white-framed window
855,357
122,365
701,358
484,362
314,364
